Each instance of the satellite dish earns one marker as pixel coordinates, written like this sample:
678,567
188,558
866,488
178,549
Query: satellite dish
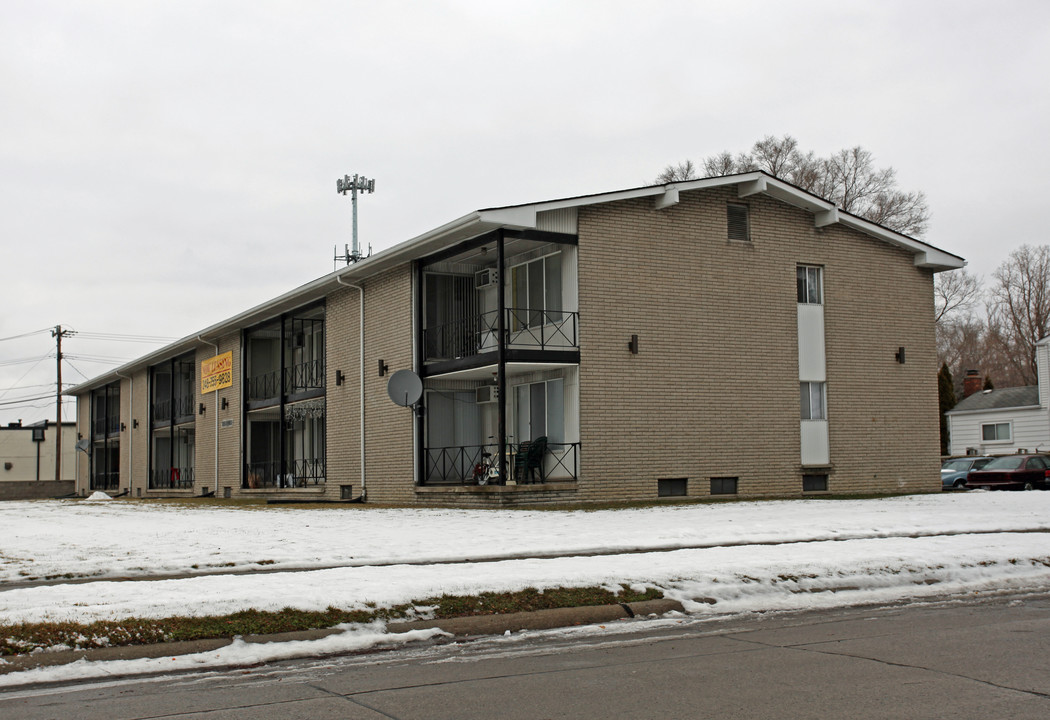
405,388
84,445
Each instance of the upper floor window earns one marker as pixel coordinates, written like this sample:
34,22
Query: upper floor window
809,283
738,221
535,291
811,395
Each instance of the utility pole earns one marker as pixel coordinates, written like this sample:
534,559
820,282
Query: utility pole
58,333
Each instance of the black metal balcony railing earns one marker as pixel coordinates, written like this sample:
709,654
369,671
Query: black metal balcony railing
265,386
105,480
304,377
523,328
105,425
298,378
296,473
458,465
180,407
180,478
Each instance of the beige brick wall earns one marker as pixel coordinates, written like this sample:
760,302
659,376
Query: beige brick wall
229,445
388,427
714,389
83,463
134,442
342,403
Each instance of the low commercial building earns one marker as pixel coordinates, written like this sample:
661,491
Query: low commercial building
725,336
27,460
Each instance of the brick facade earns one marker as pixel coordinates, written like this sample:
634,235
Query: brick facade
712,392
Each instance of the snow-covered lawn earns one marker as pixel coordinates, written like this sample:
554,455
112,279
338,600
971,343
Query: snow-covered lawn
52,538
716,559
832,552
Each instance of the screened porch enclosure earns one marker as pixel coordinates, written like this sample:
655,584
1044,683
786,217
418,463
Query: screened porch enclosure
284,421
461,426
469,298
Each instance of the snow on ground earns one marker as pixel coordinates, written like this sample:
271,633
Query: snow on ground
56,538
831,553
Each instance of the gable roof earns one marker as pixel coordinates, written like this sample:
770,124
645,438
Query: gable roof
1013,397
521,217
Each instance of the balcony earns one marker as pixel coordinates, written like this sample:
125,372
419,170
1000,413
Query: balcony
180,478
179,409
297,381
464,464
293,474
523,329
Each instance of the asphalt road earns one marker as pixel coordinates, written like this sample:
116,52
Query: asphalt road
982,658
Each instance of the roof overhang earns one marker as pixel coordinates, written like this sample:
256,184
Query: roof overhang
521,217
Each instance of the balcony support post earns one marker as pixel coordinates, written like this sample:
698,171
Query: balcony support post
501,359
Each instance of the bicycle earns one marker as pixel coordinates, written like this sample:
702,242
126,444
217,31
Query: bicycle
486,471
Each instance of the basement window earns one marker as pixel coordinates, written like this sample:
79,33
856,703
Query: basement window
671,487
738,221
814,482
723,485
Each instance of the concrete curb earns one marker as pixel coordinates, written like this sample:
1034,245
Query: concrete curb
474,625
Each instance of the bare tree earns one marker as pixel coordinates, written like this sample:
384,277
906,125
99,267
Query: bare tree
955,293
848,178
721,164
685,170
1019,312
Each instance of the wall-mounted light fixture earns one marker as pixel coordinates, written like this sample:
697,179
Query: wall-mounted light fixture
633,345
123,427
382,368
225,403
200,410
900,355
134,423
339,377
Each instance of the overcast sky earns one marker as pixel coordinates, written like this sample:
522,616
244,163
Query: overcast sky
165,165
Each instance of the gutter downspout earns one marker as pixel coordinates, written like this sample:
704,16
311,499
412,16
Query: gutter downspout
216,490
361,359
131,431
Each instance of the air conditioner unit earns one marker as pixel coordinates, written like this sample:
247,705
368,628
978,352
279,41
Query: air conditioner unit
486,278
486,394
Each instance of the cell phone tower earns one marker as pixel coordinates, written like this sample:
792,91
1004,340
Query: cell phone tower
354,185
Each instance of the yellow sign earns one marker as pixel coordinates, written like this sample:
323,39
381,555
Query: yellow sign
217,373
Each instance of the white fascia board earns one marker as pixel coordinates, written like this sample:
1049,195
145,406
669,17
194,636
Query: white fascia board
926,256
521,216
993,411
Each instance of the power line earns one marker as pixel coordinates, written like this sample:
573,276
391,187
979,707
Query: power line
118,337
35,332
23,361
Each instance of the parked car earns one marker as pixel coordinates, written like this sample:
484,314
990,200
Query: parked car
955,471
1018,472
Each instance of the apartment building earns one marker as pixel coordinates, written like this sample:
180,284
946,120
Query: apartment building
731,336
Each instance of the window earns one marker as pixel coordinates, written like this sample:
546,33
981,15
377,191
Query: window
536,292
808,282
811,397
671,487
723,485
814,482
738,220
996,432
539,411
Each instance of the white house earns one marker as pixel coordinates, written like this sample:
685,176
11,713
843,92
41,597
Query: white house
1007,420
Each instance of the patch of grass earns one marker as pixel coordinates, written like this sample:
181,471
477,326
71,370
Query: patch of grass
26,637
490,603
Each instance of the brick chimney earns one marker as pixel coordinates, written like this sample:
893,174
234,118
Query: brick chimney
972,383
